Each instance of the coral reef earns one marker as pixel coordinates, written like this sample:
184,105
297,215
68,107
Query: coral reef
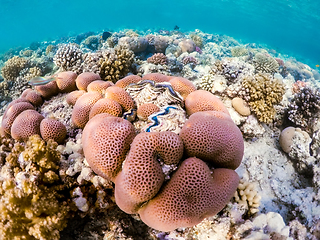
11,70
31,199
158,58
68,58
304,107
264,92
265,64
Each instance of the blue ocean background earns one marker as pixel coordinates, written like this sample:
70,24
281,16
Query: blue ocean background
289,26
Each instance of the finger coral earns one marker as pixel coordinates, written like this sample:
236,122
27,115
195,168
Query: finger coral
116,64
32,206
68,58
12,68
264,92
194,191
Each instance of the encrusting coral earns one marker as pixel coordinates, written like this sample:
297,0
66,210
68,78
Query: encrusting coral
263,92
31,200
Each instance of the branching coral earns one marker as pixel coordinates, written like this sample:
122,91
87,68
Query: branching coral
116,65
264,92
13,67
31,203
158,58
304,107
68,57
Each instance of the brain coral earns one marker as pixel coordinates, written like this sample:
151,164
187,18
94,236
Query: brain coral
182,86
34,97
68,58
141,176
99,86
202,100
48,90
53,129
265,64
264,92
106,141
106,105
84,79
127,80
146,109
157,77
66,81
81,110
121,96
73,96
194,191
26,124
213,137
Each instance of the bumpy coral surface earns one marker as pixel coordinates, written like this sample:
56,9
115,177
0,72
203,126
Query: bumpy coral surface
12,68
68,57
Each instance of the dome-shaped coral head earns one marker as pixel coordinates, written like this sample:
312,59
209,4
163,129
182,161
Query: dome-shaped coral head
192,194
82,108
48,90
66,81
99,86
26,124
85,78
213,137
157,77
182,86
202,100
53,129
106,141
127,80
106,105
121,96
73,96
142,177
12,112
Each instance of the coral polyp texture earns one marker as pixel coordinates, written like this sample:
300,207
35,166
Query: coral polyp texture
137,134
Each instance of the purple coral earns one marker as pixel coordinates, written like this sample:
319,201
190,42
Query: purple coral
158,58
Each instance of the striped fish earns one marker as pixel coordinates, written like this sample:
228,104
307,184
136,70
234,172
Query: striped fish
37,81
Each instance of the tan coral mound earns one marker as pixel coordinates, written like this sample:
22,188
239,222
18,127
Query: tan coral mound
25,125
192,194
213,137
53,129
81,110
84,79
48,90
99,86
73,96
141,176
11,113
157,77
106,141
145,110
121,96
106,105
182,86
66,81
202,100
127,80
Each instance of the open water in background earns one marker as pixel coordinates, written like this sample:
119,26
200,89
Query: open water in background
289,26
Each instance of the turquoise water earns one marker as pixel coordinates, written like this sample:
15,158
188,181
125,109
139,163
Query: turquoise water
289,26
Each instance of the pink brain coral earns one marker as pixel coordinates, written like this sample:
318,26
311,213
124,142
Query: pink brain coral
53,129
66,81
202,100
213,137
121,96
142,177
106,105
191,195
81,110
26,124
85,78
106,141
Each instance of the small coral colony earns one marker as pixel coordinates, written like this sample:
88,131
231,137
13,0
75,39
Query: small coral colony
152,123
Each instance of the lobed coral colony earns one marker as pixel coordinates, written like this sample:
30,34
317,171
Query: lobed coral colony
163,135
